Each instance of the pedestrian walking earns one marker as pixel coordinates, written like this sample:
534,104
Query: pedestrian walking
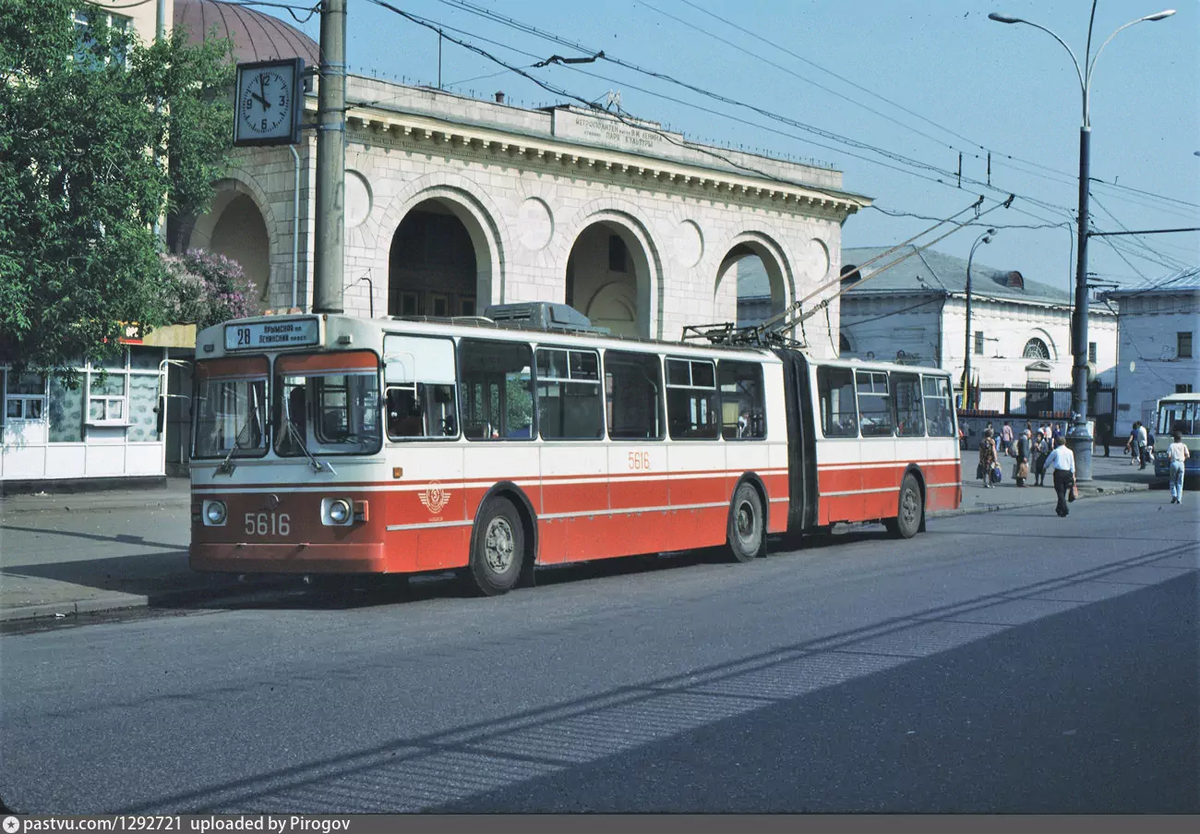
1041,451
1131,448
1177,453
1062,463
1143,439
987,458
1006,438
1024,450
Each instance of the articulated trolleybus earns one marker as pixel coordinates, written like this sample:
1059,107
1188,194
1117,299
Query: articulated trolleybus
327,444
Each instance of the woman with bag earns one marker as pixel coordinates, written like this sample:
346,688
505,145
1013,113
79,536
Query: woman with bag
1024,449
1062,463
987,458
1042,452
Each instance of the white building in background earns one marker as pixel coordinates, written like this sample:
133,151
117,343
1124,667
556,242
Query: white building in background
1158,323
915,313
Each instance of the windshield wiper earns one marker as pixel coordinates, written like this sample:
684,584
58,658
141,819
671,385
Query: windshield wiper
227,465
297,438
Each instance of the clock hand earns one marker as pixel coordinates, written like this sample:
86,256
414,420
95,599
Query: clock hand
266,104
262,88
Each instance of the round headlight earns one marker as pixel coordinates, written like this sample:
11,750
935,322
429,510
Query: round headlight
215,512
339,511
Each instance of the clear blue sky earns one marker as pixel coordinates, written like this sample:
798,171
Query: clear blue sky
965,82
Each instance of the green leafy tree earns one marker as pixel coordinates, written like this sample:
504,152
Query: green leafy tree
89,118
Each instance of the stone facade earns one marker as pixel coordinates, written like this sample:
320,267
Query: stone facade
526,185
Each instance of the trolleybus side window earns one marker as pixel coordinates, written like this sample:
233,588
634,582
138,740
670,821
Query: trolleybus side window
939,416
633,382
495,390
910,416
568,394
874,404
835,387
743,411
692,399
421,388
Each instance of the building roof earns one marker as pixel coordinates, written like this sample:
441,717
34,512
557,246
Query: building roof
1186,280
256,36
931,271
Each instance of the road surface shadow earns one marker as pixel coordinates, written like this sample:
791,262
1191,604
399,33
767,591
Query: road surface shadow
168,582
1090,711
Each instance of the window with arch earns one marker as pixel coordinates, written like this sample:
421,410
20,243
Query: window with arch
1036,349
844,344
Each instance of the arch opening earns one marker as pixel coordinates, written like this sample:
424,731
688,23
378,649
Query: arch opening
759,288
234,226
608,279
438,263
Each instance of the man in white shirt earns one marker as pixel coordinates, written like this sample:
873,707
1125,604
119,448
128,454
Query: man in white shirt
1143,438
1177,454
1062,463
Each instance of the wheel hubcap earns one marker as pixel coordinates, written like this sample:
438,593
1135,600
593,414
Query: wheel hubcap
909,510
499,546
745,521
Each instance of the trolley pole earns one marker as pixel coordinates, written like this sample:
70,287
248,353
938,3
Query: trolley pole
329,246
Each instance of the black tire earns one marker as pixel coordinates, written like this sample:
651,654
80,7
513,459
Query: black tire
910,510
746,534
497,550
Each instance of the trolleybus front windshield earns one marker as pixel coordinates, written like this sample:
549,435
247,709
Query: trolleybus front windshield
327,404
231,407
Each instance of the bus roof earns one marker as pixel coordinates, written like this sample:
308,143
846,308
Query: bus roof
210,342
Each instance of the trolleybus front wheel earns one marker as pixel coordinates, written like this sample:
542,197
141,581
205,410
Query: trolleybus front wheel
497,551
910,512
747,532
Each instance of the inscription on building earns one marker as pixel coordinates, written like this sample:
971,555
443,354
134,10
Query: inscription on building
605,131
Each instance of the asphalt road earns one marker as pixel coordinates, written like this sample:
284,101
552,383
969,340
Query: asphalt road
1011,662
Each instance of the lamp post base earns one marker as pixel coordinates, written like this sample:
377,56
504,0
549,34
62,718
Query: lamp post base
1080,444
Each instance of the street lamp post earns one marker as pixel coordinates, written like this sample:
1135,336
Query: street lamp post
986,237
1078,437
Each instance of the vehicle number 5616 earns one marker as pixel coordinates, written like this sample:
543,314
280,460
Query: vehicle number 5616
263,524
639,460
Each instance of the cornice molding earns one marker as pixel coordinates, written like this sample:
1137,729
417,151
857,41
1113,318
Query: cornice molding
550,155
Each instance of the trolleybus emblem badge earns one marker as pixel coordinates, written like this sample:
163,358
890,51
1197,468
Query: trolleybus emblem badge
434,497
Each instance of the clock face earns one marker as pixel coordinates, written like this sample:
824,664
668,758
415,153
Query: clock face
265,104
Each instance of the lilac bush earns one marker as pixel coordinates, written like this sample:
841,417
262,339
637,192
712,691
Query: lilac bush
207,288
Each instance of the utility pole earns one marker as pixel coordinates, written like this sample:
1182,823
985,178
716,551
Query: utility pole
329,246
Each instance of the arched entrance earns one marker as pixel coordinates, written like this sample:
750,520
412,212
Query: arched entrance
608,279
234,227
438,264
756,279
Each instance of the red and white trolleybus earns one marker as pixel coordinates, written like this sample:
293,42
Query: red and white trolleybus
327,444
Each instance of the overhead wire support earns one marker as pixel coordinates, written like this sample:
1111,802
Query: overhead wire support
772,331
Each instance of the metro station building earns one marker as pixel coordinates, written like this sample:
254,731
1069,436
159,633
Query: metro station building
453,204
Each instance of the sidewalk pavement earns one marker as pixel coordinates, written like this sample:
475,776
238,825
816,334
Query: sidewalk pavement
130,571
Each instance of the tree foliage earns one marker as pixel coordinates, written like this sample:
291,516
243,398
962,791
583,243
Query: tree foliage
88,121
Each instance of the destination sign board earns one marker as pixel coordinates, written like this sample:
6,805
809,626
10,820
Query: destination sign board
272,334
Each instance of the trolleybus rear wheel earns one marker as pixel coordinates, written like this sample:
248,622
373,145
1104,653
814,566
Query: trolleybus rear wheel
497,550
746,528
910,512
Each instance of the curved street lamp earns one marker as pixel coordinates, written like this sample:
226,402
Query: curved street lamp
986,237
1078,437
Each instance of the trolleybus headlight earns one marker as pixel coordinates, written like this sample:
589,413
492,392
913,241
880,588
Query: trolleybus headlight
339,511
214,513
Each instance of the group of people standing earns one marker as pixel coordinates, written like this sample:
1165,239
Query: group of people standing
1045,448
